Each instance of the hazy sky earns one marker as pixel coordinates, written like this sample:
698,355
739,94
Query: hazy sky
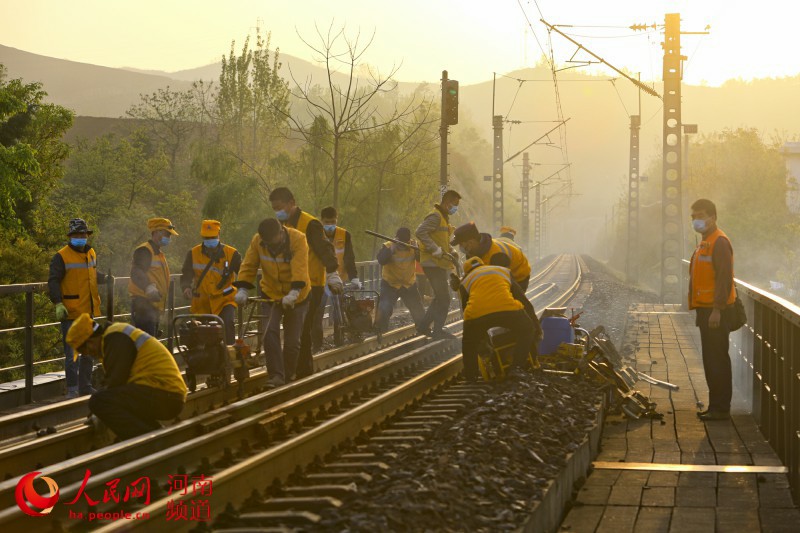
470,38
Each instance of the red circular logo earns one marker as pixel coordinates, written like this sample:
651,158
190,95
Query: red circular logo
27,496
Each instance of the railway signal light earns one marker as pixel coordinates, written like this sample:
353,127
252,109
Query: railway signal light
450,100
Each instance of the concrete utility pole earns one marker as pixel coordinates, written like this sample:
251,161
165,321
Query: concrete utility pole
632,260
497,177
526,209
443,131
671,194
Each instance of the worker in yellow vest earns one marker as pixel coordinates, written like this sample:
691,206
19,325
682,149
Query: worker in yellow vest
282,255
322,265
712,294
143,382
491,298
343,247
207,277
507,235
433,235
473,243
72,287
149,284
399,275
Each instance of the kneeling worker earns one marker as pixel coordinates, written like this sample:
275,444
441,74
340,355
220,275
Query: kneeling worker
282,254
491,298
143,382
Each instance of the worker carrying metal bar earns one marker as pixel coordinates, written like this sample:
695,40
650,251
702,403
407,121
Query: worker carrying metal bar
473,243
207,277
491,298
282,254
399,279
143,382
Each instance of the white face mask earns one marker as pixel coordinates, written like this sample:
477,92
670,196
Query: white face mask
699,225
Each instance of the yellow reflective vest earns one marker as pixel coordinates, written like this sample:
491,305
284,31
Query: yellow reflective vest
339,239
158,274
79,292
316,270
209,297
489,291
520,268
154,366
401,272
278,271
441,236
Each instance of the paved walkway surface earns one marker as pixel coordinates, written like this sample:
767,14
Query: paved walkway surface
668,348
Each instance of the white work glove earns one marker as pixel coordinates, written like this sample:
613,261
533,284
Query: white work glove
152,292
241,296
334,282
437,253
290,299
355,282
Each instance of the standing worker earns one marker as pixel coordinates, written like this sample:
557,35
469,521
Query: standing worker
143,382
208,275
72,286
282,254
493,252
712,293
322,266
434,238
342,243
399,280
491,298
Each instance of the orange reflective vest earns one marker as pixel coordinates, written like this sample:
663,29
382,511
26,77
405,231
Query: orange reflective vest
278,271
703,277
209,297
489,291
520,269
316,270
158,274
79,292
401,271
339,240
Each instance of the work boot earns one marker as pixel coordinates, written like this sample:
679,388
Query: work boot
274,382
713,415
443,334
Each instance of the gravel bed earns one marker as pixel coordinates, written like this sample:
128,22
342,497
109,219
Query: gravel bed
484,469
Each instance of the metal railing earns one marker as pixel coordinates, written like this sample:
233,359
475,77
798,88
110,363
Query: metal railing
766,371
116,306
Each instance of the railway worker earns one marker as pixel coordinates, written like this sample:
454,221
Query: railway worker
507,234
207,277
143,382
433,235
712,294
493,252
282,254
72,287
149,282
322,266
399,280
491,298
342,243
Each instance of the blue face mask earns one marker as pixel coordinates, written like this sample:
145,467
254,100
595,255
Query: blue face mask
453,209
329,228
165,241
282,215
77,243
210,243
699,225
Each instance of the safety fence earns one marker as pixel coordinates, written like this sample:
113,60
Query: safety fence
32,344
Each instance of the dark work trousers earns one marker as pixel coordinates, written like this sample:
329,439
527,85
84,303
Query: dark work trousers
282,361
228,315
78,373
305,362
436,314
133,409
524,283
409,296
144,315
335,314
475,336
716,359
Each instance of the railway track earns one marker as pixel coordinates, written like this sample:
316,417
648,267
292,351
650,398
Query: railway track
269,434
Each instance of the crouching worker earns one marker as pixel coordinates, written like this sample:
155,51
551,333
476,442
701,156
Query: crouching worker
282,254
491,298
143,382
399,280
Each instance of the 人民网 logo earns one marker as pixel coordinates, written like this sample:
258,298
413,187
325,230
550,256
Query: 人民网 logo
27,497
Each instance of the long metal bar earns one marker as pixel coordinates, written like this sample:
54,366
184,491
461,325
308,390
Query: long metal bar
671,467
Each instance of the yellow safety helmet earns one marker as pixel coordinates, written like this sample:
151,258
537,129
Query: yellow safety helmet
471,264
82,328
